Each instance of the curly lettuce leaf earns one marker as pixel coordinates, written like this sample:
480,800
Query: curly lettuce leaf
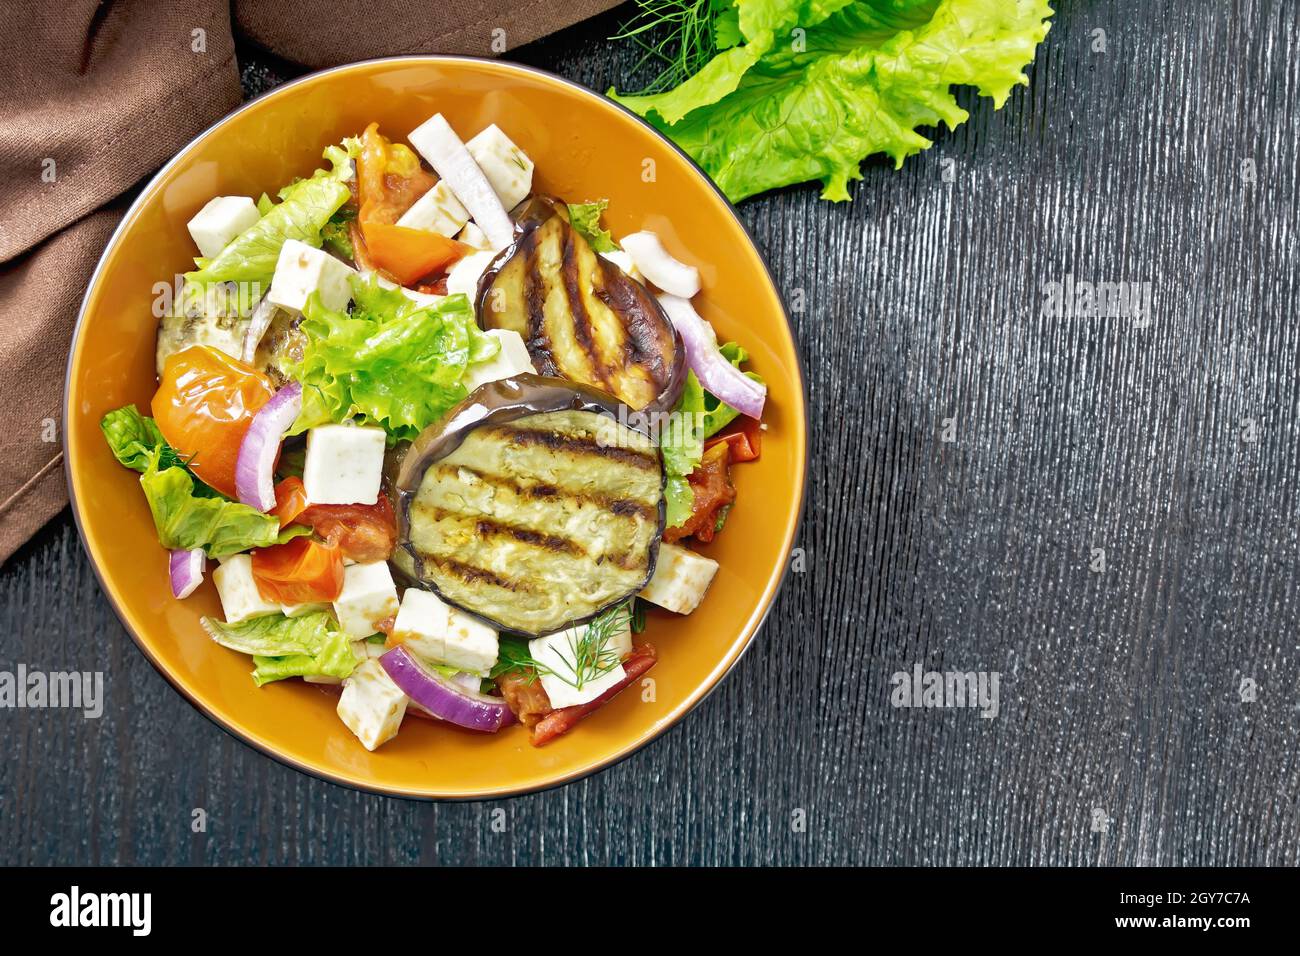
305,209
392,362
817,100
307,646
188,517
585,218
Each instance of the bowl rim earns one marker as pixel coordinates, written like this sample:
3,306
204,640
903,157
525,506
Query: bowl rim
696,696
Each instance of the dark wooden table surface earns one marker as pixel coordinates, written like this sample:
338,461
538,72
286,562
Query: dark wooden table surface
1112,528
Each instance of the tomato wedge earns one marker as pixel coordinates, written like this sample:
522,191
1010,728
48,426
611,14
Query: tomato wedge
300,571
558,722
711,483
408,254
365,533
290,500
743,437
389,181
204,405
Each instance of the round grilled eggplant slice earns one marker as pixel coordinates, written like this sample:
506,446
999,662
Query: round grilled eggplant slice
581,316
532,504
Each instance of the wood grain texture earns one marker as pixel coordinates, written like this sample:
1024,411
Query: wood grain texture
921,302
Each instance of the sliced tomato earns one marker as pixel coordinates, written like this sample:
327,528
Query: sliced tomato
711,483
204,405
389,177
408,254
290,500
300,571
526,698
364,533
744,436
389,181
558,722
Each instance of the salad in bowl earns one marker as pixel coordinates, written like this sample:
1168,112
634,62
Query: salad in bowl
437,438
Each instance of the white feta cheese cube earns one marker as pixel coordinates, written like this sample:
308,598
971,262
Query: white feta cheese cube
302,270
422,624
624,262
556,652
468,643
302,610
240,598
464,275
474,237
221,220
368,597
344,466
511,359
438,211
371,705
681,577
505,165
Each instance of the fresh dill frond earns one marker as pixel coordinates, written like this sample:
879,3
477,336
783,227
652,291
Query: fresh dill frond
589,656
675,36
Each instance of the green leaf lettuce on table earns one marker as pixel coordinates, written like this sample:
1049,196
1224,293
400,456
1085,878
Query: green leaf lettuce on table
817,87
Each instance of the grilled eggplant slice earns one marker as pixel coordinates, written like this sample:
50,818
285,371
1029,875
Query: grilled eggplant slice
532,504
582,317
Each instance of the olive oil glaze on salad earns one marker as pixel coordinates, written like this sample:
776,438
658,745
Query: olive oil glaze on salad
441,436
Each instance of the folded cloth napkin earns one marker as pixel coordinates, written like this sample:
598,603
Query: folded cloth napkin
100,94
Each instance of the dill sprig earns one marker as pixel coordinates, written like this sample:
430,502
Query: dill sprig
589,655
677,36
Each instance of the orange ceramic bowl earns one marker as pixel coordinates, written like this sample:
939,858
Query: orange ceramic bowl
585,147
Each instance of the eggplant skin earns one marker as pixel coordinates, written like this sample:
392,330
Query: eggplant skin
532,505
581,316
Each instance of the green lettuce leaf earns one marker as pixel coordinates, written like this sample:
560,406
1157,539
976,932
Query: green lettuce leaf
305,208
282,647
851,81
187,518
134,439
682,445
698,415
392,362
585,217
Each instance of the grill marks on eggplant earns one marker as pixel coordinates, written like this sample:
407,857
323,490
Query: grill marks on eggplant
581,317
541,520
576,446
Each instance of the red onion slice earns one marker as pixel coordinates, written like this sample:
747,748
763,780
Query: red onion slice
186,569
258,323
443,697
716,374
255,466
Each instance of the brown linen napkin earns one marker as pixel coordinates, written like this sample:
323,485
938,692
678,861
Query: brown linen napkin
101,94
